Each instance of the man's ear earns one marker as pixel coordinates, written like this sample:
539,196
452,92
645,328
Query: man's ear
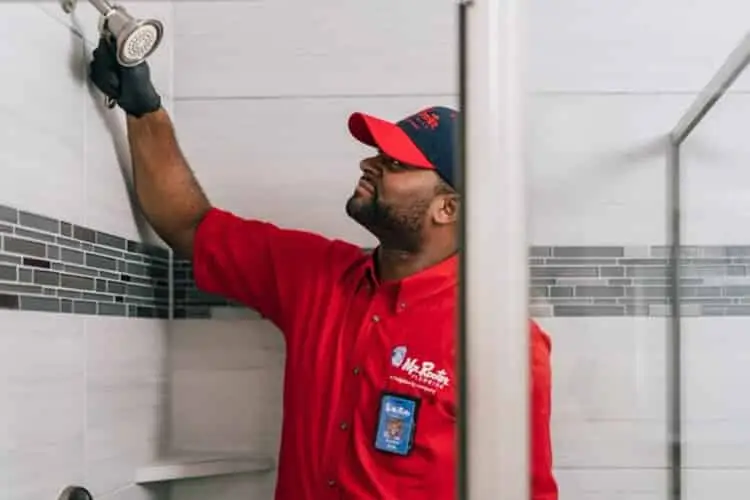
446,209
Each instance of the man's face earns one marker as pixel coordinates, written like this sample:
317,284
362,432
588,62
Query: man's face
393,201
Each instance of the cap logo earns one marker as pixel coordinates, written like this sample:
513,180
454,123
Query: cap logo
425,119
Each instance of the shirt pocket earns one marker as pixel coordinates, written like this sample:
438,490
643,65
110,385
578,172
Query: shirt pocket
433,448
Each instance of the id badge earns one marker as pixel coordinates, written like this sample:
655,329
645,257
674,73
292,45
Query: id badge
397,423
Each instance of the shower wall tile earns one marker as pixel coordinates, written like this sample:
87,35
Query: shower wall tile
597,168
715,177
125,402
631,46
43,166
328,48
42,382
233,365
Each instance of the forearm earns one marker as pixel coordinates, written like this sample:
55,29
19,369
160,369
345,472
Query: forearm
168,192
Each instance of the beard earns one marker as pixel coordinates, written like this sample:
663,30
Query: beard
396,229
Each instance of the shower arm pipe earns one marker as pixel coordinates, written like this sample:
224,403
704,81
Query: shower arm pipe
102,6
493,329
717,87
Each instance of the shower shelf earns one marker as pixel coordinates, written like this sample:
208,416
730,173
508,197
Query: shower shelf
192,465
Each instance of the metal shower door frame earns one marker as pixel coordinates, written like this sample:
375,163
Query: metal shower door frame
732,68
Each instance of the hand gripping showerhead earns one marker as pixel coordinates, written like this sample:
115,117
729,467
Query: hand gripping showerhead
134,39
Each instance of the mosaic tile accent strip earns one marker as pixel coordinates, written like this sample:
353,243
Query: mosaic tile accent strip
602,281
53,266
189,302
634,281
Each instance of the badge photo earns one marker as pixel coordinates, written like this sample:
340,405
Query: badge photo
397,423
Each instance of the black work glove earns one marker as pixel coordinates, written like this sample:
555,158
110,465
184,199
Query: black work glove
130,88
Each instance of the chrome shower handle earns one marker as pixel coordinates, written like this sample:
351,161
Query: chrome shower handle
75,493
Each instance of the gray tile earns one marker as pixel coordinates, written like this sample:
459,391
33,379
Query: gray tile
101,262
80,270
562,271
538,291
580,262
39,222
48,278
612,272
587,311
20,288
34,235
139,291
25,275
109,252
69,294
66,306
111,309
8,301
53,252
68,242
97,297
66,229
84,307
71,256
77,282
8,214
13,259
111,240
108,275
5,228
25,247
561,291
646,272
8,273
588,251
84,234
636,252
116,288
637,310
46,304
533,252
599,291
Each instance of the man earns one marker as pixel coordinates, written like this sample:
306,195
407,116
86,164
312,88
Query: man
370,386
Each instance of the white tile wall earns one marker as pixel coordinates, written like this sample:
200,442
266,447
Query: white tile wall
82,402
330,47
631,46
81,398
225,396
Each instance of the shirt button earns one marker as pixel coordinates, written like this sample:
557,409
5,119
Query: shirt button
344,426
356,370
376,318
331,483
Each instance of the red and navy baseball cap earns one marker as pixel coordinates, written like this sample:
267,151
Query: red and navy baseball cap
426,139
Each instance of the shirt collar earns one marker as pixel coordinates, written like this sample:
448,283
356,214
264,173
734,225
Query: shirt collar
418,286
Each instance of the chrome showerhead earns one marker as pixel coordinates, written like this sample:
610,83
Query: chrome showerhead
135,39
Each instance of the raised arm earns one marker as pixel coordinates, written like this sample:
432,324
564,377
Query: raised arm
167,190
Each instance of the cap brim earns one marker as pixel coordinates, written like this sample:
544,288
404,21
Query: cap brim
387,137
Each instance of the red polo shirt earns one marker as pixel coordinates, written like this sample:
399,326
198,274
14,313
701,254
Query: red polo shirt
351,339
